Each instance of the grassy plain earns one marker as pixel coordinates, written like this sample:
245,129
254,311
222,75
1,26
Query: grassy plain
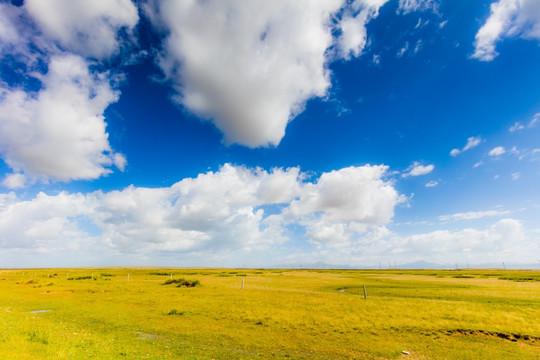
281,314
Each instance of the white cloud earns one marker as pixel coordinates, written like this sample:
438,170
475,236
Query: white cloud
416,169
497,151
353,36
353,194
473,215
518,126
505,240
59,132
14,181
495,243
402,51
508,18
516,175
418,46
472,142
250,67
407,6
235,208
432,183
90,28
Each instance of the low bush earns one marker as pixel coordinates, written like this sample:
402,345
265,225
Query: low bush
182,282
176,312
81,278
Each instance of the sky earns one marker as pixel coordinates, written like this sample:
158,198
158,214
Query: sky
269,133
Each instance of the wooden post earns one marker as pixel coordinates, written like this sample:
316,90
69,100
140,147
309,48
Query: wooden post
128,277
92,276
242,283
171,276
365,292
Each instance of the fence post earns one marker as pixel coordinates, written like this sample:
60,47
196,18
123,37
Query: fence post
365,292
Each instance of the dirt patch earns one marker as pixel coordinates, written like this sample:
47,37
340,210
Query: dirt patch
146,336
505,336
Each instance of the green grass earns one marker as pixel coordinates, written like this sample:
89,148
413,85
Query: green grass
280,314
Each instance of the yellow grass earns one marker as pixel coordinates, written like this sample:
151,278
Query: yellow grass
282,314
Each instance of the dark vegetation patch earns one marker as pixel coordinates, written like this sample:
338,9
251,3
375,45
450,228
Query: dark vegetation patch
176,312
182,282
159,273
81,278
505,336
223,275
107,275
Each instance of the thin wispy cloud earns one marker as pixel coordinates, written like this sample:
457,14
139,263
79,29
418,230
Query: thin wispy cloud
417,169
473,215
497,151
472,142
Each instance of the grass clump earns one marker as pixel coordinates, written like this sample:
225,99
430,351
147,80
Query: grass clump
176,312
107,275
182,282
81,278
159,273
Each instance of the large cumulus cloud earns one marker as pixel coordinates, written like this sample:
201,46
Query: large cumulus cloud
250,67
233,208
52,118
508,18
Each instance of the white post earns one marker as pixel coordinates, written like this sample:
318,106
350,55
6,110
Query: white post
171,276
242,283
92,276
128,277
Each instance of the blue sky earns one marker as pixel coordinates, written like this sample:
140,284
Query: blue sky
233,133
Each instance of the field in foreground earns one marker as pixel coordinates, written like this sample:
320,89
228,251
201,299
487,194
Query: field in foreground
282,314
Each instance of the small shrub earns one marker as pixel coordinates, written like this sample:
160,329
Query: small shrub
107,275
32,282
38,337
81,278
159,273
188,283
182,282
176,312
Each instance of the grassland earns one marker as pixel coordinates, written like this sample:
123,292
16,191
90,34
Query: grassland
281,314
